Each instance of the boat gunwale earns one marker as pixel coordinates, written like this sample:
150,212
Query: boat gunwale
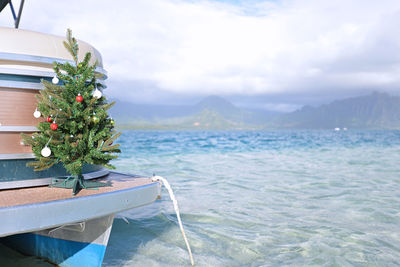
10,84
21,85
11,156
77,198
43,60
74,201
27,72
18,129
43,181
35,73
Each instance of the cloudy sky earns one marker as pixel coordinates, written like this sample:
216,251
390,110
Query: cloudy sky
275,55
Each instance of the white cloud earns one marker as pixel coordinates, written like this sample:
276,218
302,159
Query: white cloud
204,47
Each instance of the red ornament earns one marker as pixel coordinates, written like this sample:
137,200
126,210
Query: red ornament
79,98
49,119
54,126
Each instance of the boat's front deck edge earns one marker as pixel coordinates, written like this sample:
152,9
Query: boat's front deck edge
26,210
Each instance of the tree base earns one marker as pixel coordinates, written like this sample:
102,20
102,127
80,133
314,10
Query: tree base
77,183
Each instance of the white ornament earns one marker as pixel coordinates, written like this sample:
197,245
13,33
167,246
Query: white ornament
55,80
46,152
37,114
97,93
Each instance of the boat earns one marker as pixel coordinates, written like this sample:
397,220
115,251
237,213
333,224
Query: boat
37,219
69,230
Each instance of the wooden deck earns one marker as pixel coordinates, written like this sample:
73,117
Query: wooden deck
34,195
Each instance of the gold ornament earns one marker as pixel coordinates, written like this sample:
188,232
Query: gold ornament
95,119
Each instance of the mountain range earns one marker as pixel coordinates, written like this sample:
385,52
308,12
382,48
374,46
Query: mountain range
213,112
374,111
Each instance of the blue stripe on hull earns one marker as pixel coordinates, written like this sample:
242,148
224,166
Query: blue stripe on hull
61,252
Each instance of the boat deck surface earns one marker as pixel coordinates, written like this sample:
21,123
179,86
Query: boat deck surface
34,195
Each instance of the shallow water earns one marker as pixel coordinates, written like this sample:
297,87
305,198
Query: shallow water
297,198
265,198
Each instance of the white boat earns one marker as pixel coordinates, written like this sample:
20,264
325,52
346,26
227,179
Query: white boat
69,230
35,219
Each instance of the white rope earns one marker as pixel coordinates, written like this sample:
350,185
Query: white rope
175,202
70,226
125,219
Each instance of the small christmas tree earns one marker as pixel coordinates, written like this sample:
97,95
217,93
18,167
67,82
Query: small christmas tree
78,129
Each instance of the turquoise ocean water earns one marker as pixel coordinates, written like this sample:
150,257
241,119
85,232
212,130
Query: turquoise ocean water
298,198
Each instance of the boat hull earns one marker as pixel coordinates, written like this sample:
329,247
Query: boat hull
70,230
78,244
